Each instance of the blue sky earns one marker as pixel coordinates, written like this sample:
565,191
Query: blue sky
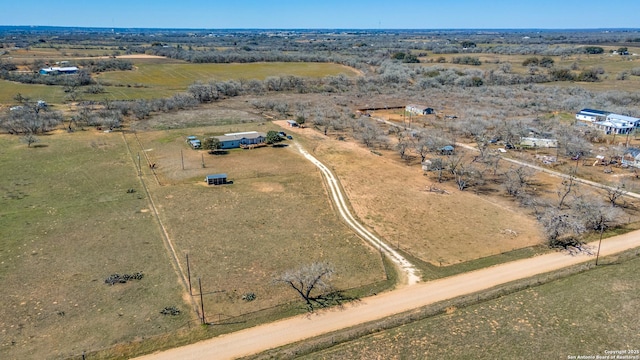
332,14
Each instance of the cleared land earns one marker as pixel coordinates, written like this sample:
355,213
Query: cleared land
391,198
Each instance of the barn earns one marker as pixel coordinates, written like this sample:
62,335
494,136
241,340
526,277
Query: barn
216,179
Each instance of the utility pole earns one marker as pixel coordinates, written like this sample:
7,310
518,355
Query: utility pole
599,243
189,275
204,321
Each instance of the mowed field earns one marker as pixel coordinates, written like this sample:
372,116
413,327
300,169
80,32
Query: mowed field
66,224
582,315
275,216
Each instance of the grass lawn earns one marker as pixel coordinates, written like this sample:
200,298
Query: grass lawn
584,314
66,224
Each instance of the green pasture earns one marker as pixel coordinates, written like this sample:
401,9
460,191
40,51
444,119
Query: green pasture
178,77
582,315
153,78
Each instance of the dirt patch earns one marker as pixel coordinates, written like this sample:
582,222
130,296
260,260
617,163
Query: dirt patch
266,187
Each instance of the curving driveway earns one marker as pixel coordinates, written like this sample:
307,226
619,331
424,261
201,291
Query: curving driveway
409,269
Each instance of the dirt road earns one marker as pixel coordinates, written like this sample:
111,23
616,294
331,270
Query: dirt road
260,338
409,270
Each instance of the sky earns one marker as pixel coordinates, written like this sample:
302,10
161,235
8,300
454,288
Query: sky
325,14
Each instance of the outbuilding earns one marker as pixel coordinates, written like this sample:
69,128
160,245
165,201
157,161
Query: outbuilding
216,179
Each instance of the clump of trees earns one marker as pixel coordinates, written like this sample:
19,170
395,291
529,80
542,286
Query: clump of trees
466,60
545,62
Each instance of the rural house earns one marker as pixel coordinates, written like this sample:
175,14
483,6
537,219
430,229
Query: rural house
607,122
235,140
590,115
419,109
59,70
538,142
631,157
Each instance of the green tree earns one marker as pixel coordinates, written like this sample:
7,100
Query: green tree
593,50
468,44
272,137
300,120
546,62
212,143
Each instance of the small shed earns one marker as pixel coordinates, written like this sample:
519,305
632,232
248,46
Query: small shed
292,123
216,179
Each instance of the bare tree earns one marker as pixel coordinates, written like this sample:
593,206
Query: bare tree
516,180
29,139
568,185
562,227
615,193
311,282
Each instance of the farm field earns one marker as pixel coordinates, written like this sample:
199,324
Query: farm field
157,78
85,226
553,321
178,76
66,224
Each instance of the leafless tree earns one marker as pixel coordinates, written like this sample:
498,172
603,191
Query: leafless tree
516,180
311,282
29,139
616,192
567,187
562,227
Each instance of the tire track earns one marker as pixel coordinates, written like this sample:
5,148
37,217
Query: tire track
405,265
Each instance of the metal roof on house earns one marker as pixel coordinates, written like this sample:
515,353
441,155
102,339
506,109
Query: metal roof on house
594,112
216,176
240,136
613,117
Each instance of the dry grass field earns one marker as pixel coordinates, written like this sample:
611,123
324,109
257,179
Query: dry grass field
613,65
391,198
66,224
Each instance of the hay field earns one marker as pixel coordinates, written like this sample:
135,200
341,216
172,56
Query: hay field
67,223
178,76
